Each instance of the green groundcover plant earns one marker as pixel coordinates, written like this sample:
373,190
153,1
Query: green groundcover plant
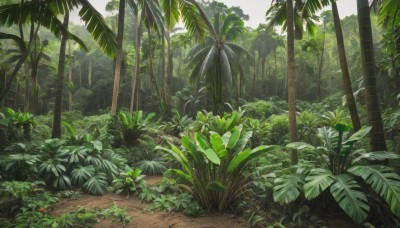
342,171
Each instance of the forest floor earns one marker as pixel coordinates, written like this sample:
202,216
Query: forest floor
145,218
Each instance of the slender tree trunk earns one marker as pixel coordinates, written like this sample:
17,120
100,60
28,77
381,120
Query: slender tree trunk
70,88
321,64
56,132
377,134
26,90
291,79
168,92
16,95
90,74
162,70
118,59
136,72
254,76
263,60
80,75
276,74
351,103
152,76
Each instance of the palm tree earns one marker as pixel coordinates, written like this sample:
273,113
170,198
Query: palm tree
277,15
45,13
217,58
371,93
314,5
118,59
56,132
291,78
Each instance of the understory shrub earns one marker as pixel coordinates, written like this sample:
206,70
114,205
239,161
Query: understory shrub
212,168
337,168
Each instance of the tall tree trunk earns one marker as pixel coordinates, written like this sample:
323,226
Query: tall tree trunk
118,59
80,75
26,90
371,93
16,96
162,70
321,64
263,60
254,75
90,74
291,79
70,88
152,76
56,132
276,74
136,71
170,69
351,103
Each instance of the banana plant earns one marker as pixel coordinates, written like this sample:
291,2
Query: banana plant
212,169
341,169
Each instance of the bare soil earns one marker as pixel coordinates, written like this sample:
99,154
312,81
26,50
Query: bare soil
144,218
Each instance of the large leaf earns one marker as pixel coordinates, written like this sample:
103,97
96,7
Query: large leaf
81,174
317,181
218,146
212,156
238,159
287,188
96,185
350,198
300,146
383,181
377,156
215,186
192,150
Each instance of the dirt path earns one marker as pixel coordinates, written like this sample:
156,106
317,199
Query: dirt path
143,218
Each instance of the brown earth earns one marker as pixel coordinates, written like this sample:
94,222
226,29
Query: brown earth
140,217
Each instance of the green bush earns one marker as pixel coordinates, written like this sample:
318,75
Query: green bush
343,172
130,181
213,168
134,126
261,109
279,129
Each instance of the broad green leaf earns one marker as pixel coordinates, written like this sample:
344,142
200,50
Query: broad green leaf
216,186
287,188
350,197
97,145
317,181
377,156
184,176
202,142
234,138
300,146
383,181
238,159
212,156
218,146
192,149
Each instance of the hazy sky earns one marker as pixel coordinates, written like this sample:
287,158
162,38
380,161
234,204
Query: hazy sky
256,9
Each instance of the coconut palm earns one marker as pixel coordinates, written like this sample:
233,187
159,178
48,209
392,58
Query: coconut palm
291,77
118,59
371,93
217,58
45,13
